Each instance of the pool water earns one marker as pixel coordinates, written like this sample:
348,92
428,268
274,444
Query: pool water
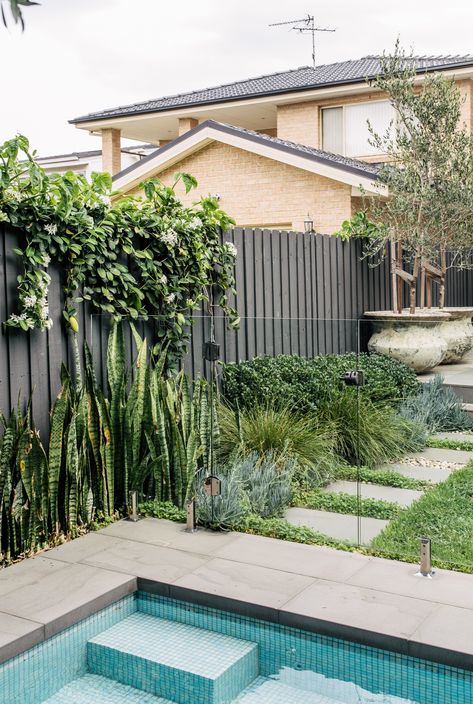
147,649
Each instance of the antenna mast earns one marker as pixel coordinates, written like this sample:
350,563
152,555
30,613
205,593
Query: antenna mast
307,24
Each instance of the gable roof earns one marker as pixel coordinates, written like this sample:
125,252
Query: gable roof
303,78
335,166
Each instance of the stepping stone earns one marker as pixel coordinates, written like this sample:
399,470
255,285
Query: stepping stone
416,471
403,497
101,690
461,437
174,660
336,525
436,454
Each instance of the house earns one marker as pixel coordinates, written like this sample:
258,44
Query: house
86,162
276,147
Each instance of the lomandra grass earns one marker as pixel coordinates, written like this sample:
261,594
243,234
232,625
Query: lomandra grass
287,435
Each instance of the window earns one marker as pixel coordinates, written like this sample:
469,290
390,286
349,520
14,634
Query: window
345,129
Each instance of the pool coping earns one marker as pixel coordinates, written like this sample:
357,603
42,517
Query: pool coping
367,600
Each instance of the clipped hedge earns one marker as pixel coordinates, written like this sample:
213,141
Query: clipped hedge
305,383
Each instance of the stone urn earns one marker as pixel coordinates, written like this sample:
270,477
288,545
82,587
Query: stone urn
425,339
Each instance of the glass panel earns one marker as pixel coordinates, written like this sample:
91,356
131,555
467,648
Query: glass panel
379,113
419,489
332,130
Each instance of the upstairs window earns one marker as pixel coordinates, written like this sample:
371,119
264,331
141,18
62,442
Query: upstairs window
345,129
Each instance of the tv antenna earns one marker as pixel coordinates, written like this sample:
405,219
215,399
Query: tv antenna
307,24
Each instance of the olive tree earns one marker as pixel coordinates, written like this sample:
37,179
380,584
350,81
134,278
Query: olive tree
15,9
427,218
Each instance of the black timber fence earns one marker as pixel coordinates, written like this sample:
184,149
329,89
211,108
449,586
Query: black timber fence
297,293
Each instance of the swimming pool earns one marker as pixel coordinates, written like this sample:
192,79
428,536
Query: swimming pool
148,649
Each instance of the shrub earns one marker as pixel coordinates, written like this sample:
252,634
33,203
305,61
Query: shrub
250,485
287,435
303,383
437,407
370,433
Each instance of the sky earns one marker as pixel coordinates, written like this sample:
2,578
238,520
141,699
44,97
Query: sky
78,56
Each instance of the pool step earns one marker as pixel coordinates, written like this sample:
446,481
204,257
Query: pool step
94,689
173,660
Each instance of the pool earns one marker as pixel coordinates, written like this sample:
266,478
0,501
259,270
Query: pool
149,649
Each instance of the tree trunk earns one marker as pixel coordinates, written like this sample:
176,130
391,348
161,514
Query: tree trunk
443,267
394,282
413,285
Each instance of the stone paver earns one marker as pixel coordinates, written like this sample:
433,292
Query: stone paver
403,497
336,525
467,437
349,595
430,474
248,583
438,454
66,594
309,560
366,609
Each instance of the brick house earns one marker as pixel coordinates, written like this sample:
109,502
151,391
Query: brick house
276,147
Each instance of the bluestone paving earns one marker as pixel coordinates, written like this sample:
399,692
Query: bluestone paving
18,634
339,526
365,609
66,594
248,583
385,576
403,497
309,560
366,599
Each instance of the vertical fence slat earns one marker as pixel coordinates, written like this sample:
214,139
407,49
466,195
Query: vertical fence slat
296,293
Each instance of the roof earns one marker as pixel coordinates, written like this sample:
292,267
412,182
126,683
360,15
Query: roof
135,149
303,78
332,165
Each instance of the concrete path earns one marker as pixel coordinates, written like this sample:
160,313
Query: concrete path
347,595
403,497
340,526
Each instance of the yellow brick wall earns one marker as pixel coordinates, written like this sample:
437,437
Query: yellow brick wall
257,191
299,123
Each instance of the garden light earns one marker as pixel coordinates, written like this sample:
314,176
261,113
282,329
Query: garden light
308,225
133,514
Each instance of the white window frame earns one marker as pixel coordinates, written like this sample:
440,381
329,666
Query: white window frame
344,106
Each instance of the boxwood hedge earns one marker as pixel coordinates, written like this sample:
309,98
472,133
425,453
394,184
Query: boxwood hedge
305,383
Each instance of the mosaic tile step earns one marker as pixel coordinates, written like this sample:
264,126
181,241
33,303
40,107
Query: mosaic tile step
93,689
173,660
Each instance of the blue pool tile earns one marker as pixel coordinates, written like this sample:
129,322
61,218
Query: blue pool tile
93,689
174,660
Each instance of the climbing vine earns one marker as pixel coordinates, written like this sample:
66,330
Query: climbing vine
140,256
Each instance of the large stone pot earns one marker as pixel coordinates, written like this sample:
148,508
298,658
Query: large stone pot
425,339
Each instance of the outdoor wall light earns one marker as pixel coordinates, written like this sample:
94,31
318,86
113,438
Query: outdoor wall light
308,225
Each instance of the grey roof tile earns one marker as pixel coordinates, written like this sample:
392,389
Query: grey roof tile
303,78
357,166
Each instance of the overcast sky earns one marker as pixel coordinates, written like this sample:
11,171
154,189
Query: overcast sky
77,56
